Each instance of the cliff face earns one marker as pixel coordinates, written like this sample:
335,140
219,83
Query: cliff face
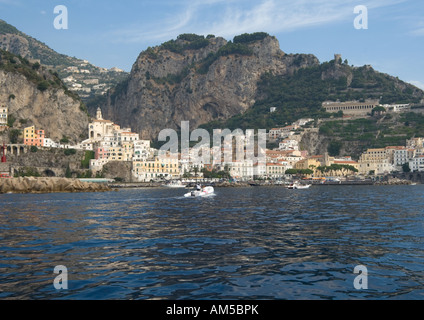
34,96
214,82
51,110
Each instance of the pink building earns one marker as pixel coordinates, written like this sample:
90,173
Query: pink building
101,153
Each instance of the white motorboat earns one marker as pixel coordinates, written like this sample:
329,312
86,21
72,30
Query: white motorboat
206,191
175,184
297,185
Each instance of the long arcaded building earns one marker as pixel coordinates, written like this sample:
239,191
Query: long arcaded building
351,107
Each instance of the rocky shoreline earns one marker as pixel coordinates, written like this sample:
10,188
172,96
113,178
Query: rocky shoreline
394,182
49,185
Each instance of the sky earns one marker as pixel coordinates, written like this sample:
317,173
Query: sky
113,33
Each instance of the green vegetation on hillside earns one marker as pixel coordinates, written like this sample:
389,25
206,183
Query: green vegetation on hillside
89,155
229,49
374,132
6,28
11,63
32,48
302,93
190,41
185,42
252,37
38,49
35,73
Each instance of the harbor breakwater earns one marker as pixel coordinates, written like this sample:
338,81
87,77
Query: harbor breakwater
49,185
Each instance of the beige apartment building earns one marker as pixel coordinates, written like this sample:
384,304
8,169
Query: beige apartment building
351,107
375,161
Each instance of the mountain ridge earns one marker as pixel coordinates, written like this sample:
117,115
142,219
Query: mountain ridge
213,82
209,80
82,77
197,79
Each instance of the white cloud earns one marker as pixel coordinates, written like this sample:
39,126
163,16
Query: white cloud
418,32
231,17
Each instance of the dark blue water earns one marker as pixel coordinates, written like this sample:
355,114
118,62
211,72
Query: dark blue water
252,243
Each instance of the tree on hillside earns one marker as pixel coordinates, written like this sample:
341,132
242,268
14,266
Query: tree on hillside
406,168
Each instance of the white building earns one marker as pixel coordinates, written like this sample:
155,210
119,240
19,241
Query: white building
289,144
416,143
417,163
128,136
259,170
302,122
3,116
100,128
276,170
274,133
49,143
397,107
241,170
402,156
69,79
97,164
282,133
85,145
142,150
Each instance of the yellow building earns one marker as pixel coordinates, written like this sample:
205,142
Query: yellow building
307,164
34,137
128,150
157,168
116,154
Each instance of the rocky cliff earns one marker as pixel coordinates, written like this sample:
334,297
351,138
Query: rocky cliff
34,96
49,185
196,79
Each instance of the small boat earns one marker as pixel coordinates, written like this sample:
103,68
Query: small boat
206,191
254,184
297,185
175,184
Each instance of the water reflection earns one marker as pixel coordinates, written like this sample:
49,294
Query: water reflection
248,243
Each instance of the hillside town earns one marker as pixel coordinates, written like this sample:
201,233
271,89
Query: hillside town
110,143
86,80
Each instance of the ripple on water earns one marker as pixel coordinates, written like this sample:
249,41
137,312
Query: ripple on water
253,243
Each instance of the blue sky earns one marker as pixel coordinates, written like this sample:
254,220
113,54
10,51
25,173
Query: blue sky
113,33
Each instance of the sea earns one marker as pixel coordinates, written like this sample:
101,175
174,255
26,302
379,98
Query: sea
257,243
